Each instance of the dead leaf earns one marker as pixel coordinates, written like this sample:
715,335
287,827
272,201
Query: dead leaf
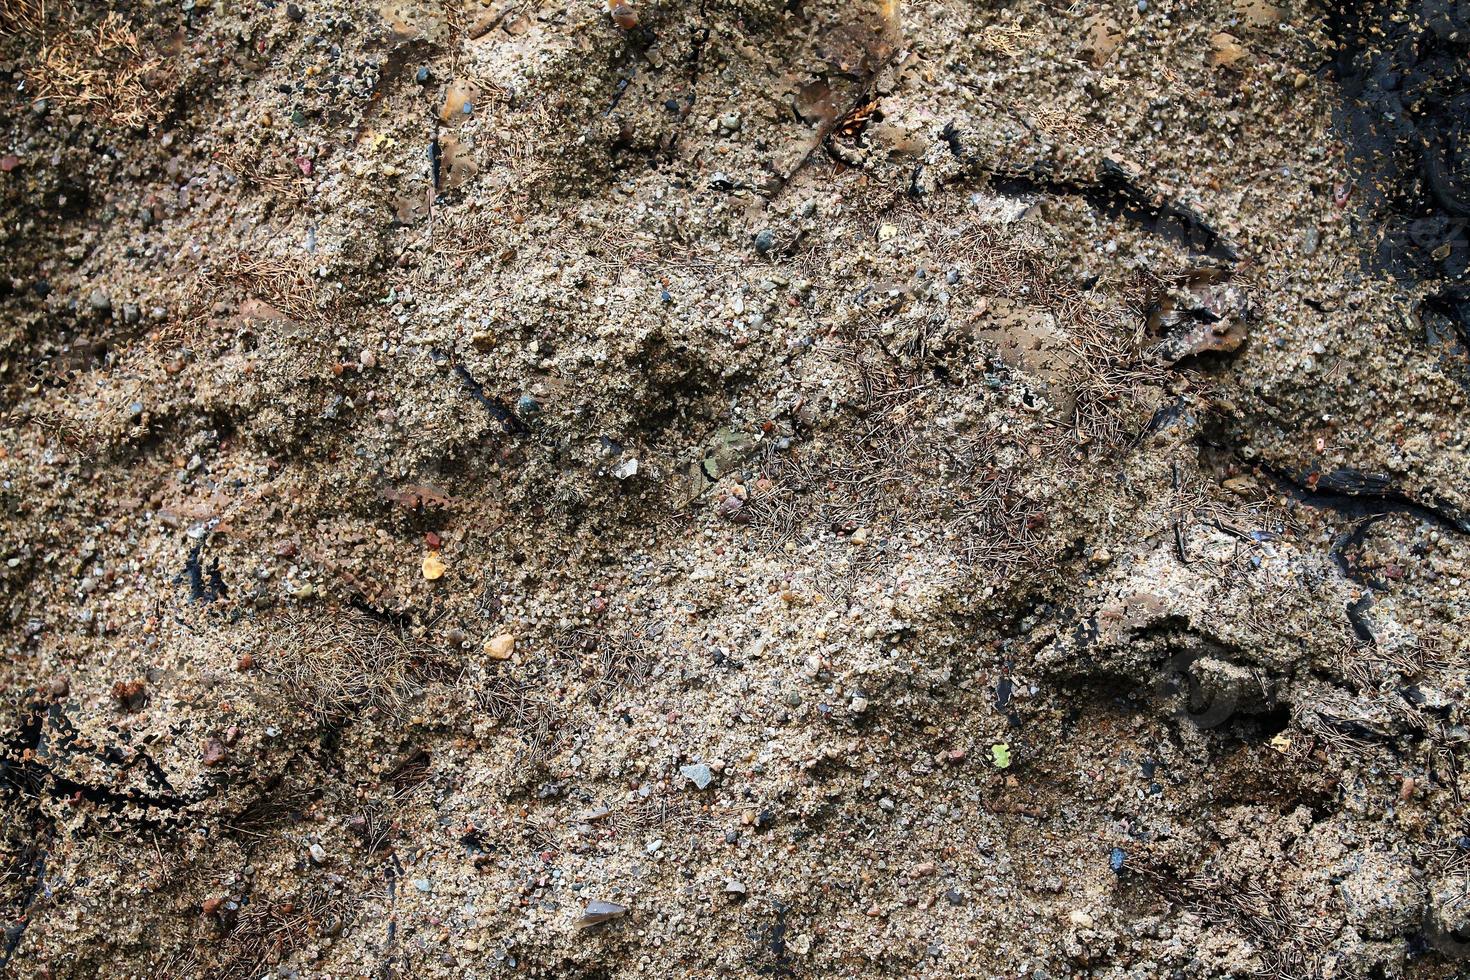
1103,38
1226,51
1258,13
457,165
412,496
459,94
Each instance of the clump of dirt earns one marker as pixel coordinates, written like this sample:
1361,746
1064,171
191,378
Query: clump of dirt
734,488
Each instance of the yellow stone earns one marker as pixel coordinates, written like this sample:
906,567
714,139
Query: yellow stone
500,647
433,567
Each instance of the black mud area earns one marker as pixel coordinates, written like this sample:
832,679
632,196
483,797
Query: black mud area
1404,72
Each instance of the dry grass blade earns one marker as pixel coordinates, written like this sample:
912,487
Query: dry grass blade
284,285
104,71
22,17
338,665
613,662
267,932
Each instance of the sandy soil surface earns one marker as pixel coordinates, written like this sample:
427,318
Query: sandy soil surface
734,489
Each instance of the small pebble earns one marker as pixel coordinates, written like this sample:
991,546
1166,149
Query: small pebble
625,16
699,774
598,912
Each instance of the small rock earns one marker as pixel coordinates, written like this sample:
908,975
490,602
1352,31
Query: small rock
130,695
624,16
100,302
433,568
500,646
627,468
295,13
214,752
765,240
598,912
318,853
424,885
1116,859
733,887
699,774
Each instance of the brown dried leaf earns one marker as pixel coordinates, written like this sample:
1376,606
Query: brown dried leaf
412,496
1226,50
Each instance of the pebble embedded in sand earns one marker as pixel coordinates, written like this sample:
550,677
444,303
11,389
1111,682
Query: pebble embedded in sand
501,646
